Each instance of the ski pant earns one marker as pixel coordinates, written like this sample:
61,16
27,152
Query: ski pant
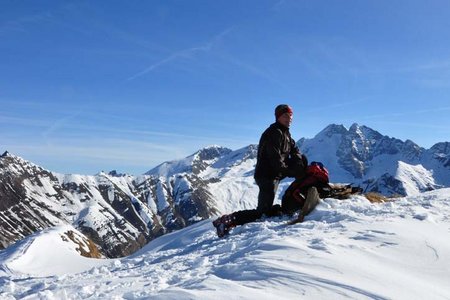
266,196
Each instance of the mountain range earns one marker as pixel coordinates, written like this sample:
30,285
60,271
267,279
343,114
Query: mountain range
121,213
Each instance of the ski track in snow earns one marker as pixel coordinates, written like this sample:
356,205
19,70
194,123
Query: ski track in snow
346,249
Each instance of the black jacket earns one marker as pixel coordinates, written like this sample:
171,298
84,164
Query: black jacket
278,155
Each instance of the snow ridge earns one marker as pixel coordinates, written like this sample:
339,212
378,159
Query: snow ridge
345,249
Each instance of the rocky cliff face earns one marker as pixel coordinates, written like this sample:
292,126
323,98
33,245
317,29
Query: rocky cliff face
377,162
120,213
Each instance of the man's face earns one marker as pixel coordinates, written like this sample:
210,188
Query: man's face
285,119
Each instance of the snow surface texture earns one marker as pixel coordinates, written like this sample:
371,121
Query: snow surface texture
345,249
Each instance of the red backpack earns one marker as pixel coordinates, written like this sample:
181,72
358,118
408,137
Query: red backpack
294,197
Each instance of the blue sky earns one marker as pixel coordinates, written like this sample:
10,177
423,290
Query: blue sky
87,86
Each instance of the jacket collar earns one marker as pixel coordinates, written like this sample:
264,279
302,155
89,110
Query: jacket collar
280,126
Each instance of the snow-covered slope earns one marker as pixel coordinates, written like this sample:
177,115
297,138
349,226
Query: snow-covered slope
119,213
194,163
55,251
414,178
345,249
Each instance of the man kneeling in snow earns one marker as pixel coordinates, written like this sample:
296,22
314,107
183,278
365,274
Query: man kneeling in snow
278,158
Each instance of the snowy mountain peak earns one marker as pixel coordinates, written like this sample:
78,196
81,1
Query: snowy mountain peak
439,156
411,146
114,173
442,148
355,131
195,163
354,127
210,153
370,133
12,164
365,156
331,130
237,157
5,154
214,149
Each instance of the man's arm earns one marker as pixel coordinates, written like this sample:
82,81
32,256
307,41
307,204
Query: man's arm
297,162
273,152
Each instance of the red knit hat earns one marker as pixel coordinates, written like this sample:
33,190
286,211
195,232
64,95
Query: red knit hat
282,109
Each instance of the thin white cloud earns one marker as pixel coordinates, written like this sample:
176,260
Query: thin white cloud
48,131
336,105
19,24
95,153
277,6
407,113
23,121
60,123
185,53
255,70
434,65
416,124
92,130
112,151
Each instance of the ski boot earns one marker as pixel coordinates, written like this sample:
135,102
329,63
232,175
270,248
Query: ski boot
223,224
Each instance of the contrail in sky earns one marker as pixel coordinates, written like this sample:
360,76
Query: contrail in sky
182,53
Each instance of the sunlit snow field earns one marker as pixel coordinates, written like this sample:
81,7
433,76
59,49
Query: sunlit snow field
344,249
